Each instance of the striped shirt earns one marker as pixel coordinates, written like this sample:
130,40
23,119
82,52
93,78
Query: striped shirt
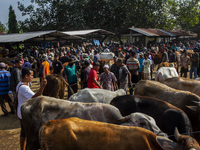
133,65
4,82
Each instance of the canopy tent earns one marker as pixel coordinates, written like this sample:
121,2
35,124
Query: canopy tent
94,32
152,36
36,36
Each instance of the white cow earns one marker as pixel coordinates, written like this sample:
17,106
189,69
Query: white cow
106,56
96,95
164,73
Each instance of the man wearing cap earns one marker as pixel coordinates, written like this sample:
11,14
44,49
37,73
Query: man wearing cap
92,78
85,73
57,65
108,79
5,93
133,66
70,76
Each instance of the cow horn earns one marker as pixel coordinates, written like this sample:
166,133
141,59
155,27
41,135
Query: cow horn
198,103
192,148
176,133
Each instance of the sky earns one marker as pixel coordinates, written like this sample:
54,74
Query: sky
4,9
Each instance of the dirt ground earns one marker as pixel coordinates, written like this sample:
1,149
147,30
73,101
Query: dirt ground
10,126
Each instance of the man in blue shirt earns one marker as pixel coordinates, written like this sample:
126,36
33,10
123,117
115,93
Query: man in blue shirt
5,93
141,59
70,76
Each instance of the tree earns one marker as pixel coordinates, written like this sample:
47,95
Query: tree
112,15
2,27
12,21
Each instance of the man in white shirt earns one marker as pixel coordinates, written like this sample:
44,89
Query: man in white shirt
24,93
147,67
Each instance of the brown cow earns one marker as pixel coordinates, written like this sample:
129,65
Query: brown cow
55,86
157,58
184,84
181,99
74,133
167,64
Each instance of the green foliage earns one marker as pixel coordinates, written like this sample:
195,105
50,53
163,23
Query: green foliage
113,15
12,21
2,27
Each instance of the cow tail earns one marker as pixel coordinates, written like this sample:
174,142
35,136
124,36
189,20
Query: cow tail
71,90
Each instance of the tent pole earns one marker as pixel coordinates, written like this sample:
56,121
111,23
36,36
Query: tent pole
44,39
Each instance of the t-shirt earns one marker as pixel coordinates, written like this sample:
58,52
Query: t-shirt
146,65
57,67
4,82
141,64
46,68
24,94
92,75
70,71
108,80
123,74
133,65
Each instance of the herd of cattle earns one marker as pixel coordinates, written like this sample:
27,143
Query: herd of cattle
160,115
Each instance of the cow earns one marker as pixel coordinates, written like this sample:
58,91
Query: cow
41,109
187,101
167,64
184,84
96,95
157,58
167,116
165,73
55,86
90,135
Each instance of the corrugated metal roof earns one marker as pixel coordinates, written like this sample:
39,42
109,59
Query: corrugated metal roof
36,36
89,32
169,33
150,32
142,32
21,37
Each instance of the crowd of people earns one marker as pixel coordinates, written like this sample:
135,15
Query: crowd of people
81,66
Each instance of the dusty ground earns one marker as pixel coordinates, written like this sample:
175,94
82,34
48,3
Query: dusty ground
10,127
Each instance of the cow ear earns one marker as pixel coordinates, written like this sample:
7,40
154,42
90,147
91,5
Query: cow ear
165,143
193,108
